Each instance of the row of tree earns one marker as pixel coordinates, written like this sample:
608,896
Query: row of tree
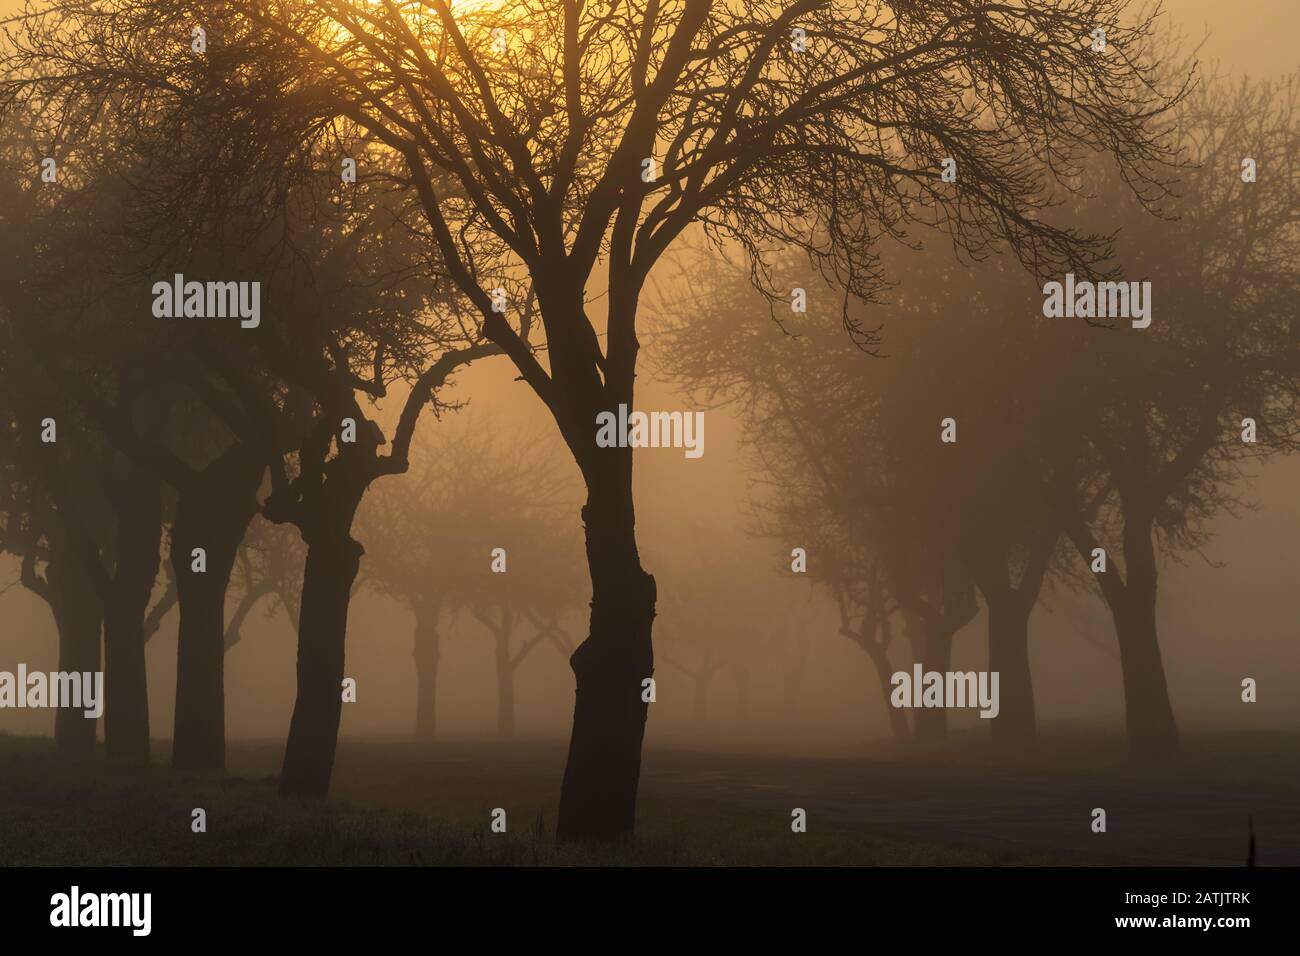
997,453
416,188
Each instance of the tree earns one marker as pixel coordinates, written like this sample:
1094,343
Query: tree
31,531
378,332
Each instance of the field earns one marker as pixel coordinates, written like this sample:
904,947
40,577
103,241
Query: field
401,804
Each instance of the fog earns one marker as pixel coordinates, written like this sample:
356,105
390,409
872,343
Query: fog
1225,614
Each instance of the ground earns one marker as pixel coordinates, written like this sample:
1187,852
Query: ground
396,803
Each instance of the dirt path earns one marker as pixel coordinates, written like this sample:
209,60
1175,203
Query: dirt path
1152,820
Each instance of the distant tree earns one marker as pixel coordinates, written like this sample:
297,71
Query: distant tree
898,525
412,561
475,489
268,571
706,619
1125,440
1160,414
718,622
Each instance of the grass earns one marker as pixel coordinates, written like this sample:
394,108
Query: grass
397,803
56,814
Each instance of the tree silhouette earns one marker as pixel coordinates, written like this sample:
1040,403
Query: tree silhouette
30,530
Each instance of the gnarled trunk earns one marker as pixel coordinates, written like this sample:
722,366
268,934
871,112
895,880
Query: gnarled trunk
331,569
598,795
79,619
136,558
1148,713
1009,656
884,677
333,560
930,724
213,515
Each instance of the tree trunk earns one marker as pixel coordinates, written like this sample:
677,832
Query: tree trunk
1148,714
740,675
137,558
333,560
792,677
428,642
79,620
505,685
930,724
331,568
703,678
598,795
214,515
884,675
1009,656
